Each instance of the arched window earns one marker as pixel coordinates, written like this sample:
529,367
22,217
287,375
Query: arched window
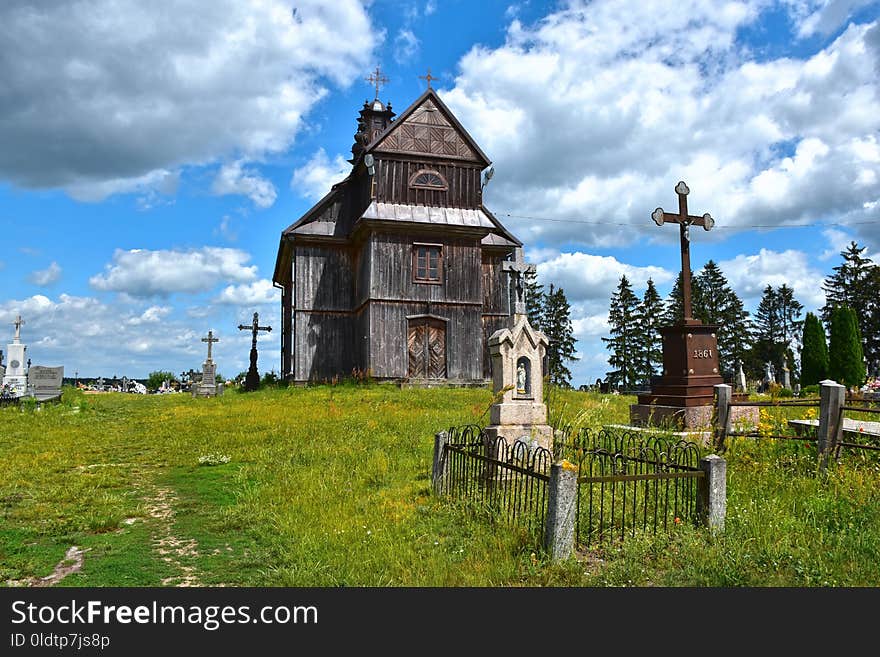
428,179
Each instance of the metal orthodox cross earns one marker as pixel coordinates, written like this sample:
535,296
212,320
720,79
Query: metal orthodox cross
517,269
376,78
18,322
685,221
210,340
255,326
427,77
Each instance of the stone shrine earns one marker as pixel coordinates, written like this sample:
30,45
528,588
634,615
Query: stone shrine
15,376
517,355
208,386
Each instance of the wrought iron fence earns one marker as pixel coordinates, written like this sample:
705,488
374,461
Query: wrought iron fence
630,483
510,480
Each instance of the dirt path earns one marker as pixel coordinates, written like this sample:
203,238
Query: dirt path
171,548
71,563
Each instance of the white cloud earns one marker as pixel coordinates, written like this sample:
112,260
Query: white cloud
829,16
837,241
586,277
117,93
596,111
748,275
315,178
144,273
152,315
43,277
233,179
93,337
256,293
406,45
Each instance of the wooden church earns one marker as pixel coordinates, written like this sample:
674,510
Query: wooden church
397,270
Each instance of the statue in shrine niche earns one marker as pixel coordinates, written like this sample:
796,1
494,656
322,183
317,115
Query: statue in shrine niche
521,378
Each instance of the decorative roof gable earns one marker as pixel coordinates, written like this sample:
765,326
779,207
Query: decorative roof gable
428,128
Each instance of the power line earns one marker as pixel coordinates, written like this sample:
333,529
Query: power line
717,226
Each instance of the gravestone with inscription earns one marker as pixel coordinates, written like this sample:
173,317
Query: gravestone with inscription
517,374
682,397
44,383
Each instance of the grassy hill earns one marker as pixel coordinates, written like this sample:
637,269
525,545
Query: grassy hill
330,486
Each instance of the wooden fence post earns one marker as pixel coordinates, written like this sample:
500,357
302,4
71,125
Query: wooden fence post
712,492
831,399
722,415
438,472
562,491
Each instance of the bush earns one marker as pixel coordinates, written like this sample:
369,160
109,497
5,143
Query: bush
810,391
785,392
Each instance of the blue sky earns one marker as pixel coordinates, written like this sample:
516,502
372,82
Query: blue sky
152,153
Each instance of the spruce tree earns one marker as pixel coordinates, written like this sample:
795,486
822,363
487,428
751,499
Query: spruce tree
557,327
856,283
624,343
649,319
768,341
716,303
535,300
814,352
845,359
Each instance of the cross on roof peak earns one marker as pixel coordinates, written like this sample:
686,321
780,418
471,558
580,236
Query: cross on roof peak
376,79
428,77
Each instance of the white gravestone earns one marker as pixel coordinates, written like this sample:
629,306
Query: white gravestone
15,376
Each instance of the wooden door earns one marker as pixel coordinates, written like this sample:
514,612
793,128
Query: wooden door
426,344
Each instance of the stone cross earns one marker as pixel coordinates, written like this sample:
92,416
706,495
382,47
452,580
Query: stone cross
685,221
210,340
517,269
18,322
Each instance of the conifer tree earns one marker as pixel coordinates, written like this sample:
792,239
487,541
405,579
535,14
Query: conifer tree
856,283
624,343
649,319
716,303
535,300
556,325
768,343
845,359
814,352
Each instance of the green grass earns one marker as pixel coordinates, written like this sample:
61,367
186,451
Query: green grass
330,486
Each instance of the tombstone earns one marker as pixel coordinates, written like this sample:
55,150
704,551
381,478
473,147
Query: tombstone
15,375
44,383
100,384
786,379
517,361
125,384
768,377
208,387
683,395
740,379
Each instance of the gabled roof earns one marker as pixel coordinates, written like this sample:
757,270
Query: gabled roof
428,127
